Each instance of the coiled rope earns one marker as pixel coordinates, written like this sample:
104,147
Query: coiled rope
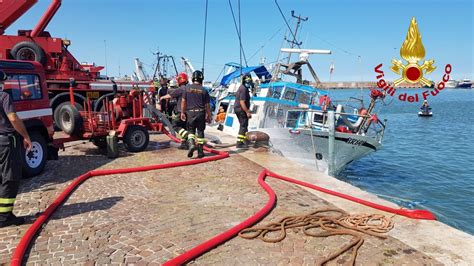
331,222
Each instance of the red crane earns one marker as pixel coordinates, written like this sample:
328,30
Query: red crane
52,52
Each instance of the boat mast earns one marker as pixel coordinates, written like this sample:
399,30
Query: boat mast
294,42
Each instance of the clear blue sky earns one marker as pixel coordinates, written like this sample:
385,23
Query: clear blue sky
373,29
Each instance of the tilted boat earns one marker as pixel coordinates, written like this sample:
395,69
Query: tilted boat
298,117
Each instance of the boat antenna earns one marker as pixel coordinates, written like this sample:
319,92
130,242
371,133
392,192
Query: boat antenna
237,29
205,32
240,39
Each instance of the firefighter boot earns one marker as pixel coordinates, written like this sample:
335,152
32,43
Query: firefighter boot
11,219
242,145
200,151
184,145
192,147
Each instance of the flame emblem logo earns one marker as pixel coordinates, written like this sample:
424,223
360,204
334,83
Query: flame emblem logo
412,51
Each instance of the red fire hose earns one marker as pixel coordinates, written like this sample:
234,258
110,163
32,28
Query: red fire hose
215,241
223,237
31,232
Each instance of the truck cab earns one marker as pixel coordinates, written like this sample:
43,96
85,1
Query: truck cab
26,84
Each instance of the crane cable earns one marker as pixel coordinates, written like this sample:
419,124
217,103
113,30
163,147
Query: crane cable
288,25
238,30
205,32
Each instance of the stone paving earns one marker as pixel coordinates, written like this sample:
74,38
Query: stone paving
150,217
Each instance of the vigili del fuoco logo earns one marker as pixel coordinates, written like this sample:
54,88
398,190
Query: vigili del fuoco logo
413,71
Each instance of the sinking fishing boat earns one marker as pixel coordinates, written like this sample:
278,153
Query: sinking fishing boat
301,120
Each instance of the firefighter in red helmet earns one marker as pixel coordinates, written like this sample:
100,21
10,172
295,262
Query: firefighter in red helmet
179,125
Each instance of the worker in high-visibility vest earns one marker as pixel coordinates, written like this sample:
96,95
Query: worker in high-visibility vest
12,135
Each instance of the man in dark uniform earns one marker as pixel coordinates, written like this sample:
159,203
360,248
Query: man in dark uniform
196,104
10,156
241,108
178,124
165,105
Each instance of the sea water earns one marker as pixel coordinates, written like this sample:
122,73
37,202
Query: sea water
424,162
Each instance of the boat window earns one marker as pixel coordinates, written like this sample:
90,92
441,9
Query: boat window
275,92
280,113
318,118
304,97
23,87
292,118
290,94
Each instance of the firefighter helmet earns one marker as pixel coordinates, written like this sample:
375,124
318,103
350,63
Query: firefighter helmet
198,76
182,78
247,81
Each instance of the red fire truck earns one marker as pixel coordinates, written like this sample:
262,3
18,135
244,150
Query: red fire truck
52,53
26,84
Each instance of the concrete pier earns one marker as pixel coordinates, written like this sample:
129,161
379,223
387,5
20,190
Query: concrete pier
147,218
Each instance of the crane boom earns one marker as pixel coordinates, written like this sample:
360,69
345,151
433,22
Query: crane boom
46,18
11,10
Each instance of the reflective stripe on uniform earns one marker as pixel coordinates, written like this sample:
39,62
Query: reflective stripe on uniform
6,209
200,140
191,136
7,200
183,133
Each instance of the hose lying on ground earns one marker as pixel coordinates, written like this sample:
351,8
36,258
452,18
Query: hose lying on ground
341,224
224,236
202,248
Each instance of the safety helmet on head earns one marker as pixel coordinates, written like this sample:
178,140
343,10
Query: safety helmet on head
247,81
182,78
198,76
246,78
3,76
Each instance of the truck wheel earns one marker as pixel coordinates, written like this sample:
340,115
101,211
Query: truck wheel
56,112
136,138
70,120
100,142
28,51
34,160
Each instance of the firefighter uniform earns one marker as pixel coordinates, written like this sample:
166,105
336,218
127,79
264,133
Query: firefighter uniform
242,94
197,103
179,125
10,156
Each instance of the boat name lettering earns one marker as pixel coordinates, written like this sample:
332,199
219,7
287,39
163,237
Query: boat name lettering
356,142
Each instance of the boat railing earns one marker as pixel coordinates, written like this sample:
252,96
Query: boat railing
363,128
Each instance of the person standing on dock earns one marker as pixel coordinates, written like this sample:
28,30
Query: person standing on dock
178,124
242,111
11,127
164,104
195,106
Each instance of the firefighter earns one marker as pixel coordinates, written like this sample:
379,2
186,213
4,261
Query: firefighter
195,106
11,127
242,111
178,124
